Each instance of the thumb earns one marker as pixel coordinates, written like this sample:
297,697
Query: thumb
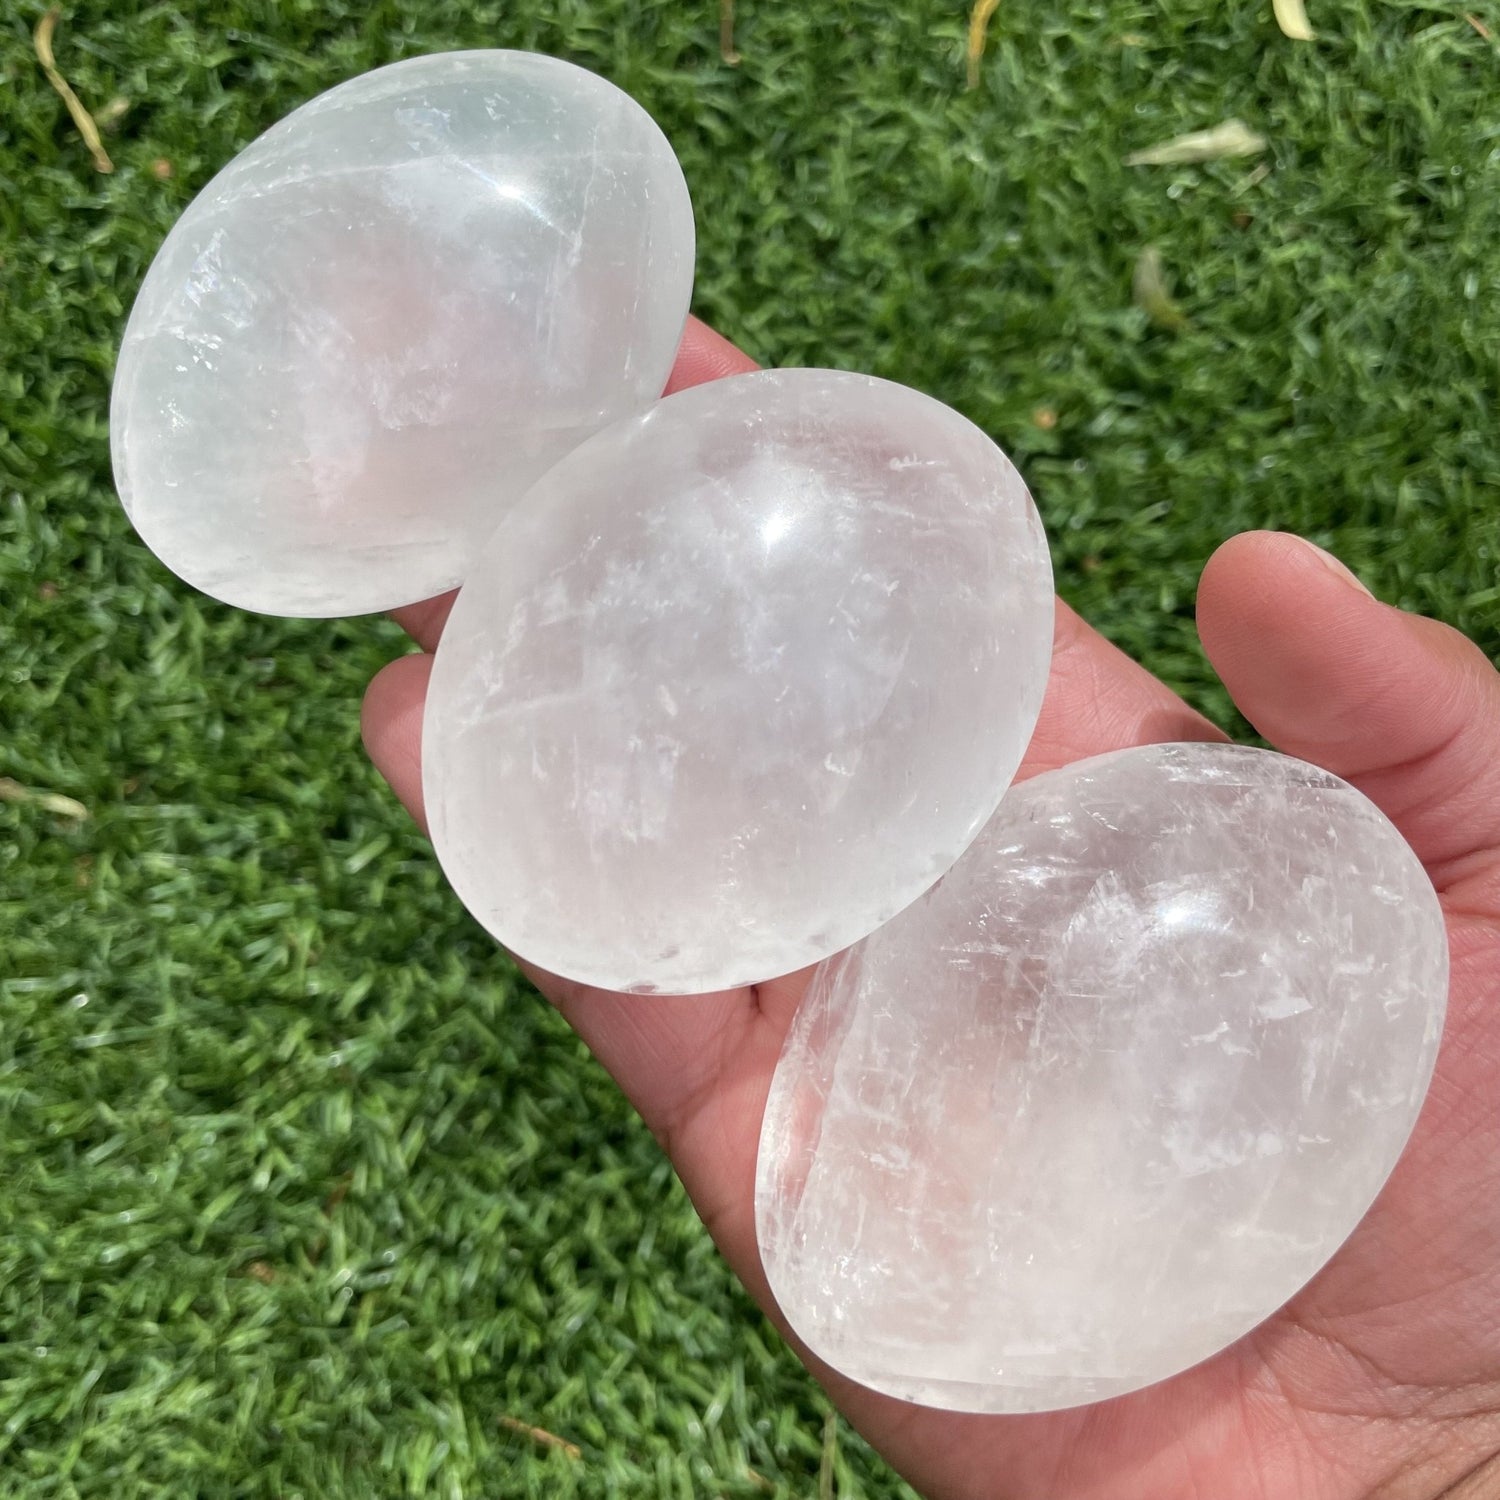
1406,708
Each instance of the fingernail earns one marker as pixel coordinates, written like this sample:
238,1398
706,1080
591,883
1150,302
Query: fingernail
1334,566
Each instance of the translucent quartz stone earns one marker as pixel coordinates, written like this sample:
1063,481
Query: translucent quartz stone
370,333
1112,1092
738,680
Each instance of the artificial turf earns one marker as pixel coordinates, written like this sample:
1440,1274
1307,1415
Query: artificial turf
302,1191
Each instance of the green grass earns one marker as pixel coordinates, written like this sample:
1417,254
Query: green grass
302,1191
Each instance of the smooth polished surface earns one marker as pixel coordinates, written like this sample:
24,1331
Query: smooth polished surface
1112,1092
386,317
740,679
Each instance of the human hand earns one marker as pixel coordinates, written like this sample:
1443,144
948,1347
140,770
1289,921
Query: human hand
1382,1377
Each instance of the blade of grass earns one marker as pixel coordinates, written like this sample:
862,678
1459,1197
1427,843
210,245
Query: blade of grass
1230,138
1151,294
1291,16
42,40
541,1436
830,1448
727,49
979,20
52,802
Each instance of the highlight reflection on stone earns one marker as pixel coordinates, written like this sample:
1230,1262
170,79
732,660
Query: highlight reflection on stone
739,679
1112,1092
371,332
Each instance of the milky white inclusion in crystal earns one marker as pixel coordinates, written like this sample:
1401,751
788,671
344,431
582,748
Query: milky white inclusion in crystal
738,680
1112,1092
370,333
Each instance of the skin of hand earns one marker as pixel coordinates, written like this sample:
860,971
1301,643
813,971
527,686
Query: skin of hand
1381,1378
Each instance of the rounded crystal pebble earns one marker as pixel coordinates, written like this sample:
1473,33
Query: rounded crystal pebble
1112,1092
737,681
371,332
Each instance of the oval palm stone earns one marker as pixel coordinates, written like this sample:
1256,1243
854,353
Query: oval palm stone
369,334
1109,1094
739,679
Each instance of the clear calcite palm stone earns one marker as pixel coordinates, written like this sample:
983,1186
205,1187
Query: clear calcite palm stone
1112,1092
386,317
738,680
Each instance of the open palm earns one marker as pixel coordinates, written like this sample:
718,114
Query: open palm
1382,1377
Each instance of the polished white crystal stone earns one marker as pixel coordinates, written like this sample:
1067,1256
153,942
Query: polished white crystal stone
738,680
1112,1092
371,332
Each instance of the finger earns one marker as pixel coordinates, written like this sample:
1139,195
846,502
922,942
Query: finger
1406,708
390,721
424,621
1098,699
703,355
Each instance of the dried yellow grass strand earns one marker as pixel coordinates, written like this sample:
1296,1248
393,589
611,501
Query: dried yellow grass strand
1230,138
979,20
727,49
542,1436
1291,16
1151,295
52,802
42,41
